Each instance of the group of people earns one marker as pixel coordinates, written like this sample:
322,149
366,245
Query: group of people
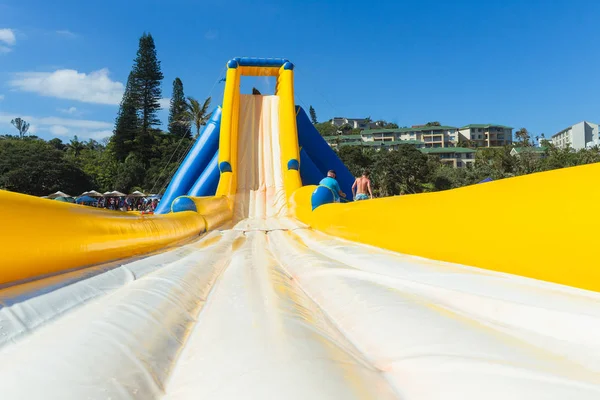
360,188
127,204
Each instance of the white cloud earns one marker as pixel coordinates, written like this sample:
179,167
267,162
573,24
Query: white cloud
66,34
95,87
1,97
165,103
73,123
8,37
57,126
59,130
70,110
5,49
99,135
211,34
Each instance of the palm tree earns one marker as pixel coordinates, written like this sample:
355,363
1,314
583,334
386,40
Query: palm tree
75,146
196,114
21,125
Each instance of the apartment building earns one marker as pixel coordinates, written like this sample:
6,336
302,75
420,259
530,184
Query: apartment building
355,123
457,157
487,135
431,136
579,136
379,145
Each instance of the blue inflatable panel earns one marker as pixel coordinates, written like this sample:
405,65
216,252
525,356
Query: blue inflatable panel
323,156
259,62
321,195
309,173
194,163
207,183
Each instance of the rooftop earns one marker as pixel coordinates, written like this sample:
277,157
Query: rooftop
383,144
571,127
342,137
350,119
486,126
530,149
400,130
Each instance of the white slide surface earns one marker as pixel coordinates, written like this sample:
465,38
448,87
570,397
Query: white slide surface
272,310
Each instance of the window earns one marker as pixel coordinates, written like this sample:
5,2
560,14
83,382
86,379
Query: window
459,164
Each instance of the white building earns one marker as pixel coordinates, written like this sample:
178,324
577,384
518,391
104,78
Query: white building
487,135
578,136
431,136
355,123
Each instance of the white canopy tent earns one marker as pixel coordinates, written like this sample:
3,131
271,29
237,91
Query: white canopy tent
58,194
91,193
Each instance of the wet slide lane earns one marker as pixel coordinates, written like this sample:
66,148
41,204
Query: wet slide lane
269,309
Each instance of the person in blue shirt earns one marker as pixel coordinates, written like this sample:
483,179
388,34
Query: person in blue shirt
333,184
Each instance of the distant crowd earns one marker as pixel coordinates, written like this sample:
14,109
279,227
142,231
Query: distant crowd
126,203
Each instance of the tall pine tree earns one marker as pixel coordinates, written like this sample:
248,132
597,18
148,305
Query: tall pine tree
313,115
126,124
178,125
147,77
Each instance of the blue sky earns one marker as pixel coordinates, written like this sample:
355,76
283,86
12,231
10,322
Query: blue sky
532,64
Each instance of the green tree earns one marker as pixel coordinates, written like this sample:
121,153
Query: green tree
357,158
197,114
544,142
169,151
523,137
498,159
75,146
403,170
57,144
434,123
21,125
313,115
126,123
37,168
346,129
559,158
588,156
178,125
326,129
468,143
146,89
386,125
130,173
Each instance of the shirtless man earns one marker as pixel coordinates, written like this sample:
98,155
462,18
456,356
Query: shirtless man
360,187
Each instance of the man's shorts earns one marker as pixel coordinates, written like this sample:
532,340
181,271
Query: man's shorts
361,196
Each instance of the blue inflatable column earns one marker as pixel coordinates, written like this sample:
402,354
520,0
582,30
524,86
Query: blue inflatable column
207,183
194,163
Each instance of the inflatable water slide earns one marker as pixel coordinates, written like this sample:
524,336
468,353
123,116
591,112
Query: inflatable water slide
248,284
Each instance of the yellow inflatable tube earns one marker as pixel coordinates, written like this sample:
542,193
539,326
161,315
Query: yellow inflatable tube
540,226
215,210
47,236
290,151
